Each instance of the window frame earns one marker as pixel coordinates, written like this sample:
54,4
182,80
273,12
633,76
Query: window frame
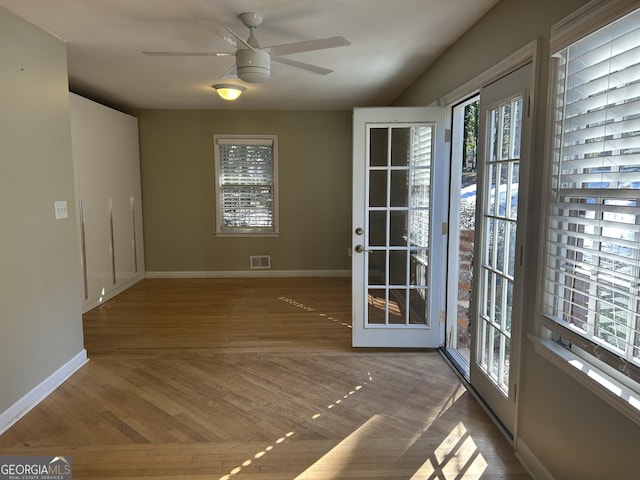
602,371
256,231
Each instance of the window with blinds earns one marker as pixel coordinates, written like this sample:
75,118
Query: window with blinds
246,174
592,275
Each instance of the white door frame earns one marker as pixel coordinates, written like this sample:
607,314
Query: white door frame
527,54
365,334
484,379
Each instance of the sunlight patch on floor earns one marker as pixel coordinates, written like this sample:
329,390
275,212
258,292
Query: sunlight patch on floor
288,435
337,459
258,455
456,457
309,309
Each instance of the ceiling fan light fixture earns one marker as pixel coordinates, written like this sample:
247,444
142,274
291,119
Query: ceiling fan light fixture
228,91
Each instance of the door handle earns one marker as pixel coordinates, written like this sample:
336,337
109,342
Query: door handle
359,248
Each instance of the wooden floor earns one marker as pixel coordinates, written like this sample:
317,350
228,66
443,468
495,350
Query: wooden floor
256,379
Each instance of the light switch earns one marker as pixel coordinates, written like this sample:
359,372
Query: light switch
61,209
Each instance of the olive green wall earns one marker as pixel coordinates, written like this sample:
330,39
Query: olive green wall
572,432
314,179
40,289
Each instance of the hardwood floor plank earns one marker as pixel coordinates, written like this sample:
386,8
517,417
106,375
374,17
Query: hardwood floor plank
255,379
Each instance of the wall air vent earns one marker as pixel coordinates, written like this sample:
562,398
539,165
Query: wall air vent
260,261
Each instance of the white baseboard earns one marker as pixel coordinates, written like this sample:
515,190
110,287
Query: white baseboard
19,409
93,303
529,460
250,274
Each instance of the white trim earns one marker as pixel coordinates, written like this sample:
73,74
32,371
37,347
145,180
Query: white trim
615,393
265,140
514,61
253,234
91,304
220,231
586,20
19,409
250,274
529,461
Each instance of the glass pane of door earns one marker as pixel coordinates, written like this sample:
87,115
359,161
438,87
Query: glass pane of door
499,218
462,217
398,240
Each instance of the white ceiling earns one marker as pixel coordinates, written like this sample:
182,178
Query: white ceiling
392,42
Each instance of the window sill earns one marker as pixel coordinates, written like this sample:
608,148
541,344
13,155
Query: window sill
247,234
615,393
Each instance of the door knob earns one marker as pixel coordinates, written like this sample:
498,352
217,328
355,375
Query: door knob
359,248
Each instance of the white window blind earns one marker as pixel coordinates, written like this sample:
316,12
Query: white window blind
246,180
421,158
592,274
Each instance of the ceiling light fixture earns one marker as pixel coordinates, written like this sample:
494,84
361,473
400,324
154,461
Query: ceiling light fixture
228,91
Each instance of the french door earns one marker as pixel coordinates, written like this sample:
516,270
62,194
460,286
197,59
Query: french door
500,232
398,237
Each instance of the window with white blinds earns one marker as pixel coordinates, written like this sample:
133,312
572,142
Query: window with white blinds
591,294
246,174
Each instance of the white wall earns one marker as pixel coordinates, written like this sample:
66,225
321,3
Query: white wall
40,289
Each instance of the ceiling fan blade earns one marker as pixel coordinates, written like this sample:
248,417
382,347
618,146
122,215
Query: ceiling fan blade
309,45
227,34
232,72
302,65
189,54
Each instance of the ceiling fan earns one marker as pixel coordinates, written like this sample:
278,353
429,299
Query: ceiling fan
253,62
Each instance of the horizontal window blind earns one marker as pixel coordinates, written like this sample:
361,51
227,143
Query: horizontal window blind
592,285
420,187
588,19
246,184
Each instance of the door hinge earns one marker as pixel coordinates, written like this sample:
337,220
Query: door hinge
447,135
528,106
